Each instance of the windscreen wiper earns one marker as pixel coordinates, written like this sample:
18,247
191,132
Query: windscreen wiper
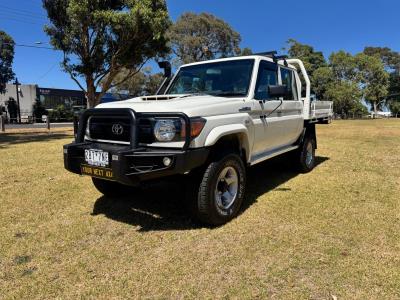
195,94
228,94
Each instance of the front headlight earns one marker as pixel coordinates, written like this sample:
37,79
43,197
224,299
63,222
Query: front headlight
165,130
174,129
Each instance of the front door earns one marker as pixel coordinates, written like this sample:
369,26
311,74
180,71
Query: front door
266,112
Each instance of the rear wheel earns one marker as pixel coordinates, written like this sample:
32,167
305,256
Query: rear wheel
304,157
113,189
218,192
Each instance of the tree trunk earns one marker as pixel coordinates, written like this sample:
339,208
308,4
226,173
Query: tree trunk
375,109
91,98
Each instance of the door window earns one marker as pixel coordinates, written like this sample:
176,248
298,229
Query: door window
267,75
288,79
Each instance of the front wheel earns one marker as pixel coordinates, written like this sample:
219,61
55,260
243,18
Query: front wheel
219,192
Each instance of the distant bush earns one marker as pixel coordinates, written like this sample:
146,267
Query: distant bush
61,114
395,108
39,111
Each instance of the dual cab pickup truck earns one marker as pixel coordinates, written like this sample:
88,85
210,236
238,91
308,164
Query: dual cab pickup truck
207,123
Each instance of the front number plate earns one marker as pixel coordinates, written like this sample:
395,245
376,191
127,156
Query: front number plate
95,157
103,173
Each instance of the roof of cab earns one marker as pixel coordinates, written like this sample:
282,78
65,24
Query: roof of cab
257,57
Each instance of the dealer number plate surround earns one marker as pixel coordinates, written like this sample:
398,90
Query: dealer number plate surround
98,172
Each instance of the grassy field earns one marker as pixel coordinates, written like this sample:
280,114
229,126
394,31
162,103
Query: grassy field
332,232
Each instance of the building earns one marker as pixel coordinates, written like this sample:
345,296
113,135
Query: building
50,98
27,96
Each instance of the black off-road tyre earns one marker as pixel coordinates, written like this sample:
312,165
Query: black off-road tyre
202,187
114,189
304,157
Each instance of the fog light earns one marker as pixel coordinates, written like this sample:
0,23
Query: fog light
167,161
65,151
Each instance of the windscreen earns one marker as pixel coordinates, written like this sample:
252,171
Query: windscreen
227,78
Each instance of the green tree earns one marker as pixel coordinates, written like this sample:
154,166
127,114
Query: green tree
100,38
391,62
340,83
374,79
153,83
246,51
345,95
394,107
201,37
6,59
322,79
390,58
142,84
39,110
12,108
312,59
394,86
61,114
350,78
344,66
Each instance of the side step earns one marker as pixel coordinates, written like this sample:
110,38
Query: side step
271,153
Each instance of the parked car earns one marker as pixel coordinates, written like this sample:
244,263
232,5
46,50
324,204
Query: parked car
208,123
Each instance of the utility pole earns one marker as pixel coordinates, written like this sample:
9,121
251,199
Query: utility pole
2,121
19,110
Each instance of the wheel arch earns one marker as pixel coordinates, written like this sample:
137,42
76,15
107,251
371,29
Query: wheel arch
235,136
309,130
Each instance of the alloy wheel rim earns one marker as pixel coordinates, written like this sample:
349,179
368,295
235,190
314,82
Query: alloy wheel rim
309,154
226,188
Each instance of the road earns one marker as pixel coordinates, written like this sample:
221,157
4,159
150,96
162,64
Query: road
37,125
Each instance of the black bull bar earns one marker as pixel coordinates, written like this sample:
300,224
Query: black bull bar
80,126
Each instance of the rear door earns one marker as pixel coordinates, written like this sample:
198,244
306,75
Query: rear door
291,111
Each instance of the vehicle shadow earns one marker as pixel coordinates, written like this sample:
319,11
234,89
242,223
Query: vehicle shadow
7,139
161,206
270,175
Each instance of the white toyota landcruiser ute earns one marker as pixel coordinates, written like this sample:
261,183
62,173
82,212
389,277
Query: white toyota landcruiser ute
207,123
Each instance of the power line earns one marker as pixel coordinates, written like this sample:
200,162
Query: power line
19,14
22,17
21,11
33,46
18,20
47,72
30,46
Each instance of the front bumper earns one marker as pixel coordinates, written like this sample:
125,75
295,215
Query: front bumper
132,166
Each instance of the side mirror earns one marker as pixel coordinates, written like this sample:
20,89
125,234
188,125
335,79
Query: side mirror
277,91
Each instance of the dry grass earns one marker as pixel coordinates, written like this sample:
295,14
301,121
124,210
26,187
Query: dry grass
334,231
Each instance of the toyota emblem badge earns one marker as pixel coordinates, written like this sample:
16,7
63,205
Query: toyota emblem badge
117,129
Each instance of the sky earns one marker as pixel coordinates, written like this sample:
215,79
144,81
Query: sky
263,25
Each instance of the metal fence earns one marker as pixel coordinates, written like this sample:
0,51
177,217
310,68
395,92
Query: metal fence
15,123
355,116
